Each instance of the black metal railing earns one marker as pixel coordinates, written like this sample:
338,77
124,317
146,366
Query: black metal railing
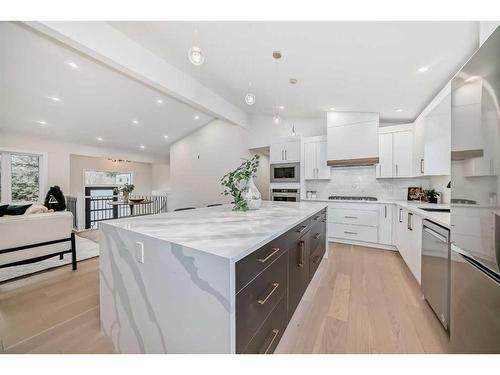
100,208
71,206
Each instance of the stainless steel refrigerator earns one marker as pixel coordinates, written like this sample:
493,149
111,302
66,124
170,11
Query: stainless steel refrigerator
475,208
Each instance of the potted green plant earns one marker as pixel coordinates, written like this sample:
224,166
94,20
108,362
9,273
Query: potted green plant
431,195
126,190
239,184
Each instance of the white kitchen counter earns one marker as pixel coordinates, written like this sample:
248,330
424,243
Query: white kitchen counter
220,230
441,218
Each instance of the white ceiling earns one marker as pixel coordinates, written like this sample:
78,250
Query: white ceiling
355,66
96,101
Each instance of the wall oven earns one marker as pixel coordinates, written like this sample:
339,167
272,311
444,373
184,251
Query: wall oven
285,195
285,172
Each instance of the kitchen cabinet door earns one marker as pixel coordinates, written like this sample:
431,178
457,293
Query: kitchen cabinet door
385,167
298,271
403,153
323,170
402,233
310,163
292,151
276,153
418,147
414,252
385,224
437,145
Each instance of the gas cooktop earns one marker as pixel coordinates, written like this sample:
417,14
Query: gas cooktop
350,198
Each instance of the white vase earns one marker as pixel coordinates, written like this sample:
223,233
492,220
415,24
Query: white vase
252,195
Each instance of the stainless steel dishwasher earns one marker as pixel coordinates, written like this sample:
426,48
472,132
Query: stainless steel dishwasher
436,269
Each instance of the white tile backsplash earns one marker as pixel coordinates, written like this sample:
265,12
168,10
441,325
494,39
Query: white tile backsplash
361,181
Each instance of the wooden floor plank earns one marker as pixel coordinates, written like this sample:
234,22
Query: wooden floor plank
361,300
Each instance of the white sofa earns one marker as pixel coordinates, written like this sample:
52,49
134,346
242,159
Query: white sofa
32,238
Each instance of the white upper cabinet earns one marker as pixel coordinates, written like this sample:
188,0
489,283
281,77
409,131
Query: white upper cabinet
352,138
403,153
432,137
437,140
385,167
287,151
396,152
315,158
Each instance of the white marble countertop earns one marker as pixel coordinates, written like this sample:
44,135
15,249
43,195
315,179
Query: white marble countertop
441,218
220,230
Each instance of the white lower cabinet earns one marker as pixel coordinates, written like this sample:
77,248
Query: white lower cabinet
408,239
364,222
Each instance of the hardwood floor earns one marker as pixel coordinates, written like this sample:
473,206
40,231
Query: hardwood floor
360,301
363,300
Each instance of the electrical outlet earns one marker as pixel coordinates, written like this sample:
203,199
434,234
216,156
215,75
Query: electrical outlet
139,252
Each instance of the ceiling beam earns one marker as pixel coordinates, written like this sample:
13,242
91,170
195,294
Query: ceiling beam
106,44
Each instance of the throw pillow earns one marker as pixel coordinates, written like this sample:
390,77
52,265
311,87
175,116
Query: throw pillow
36,209
3,209
18,209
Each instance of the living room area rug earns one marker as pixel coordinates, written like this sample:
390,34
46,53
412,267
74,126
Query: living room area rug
85,249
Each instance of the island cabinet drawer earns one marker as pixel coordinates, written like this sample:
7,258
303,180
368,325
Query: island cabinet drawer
269,334
298,231
258,299
317,235
353,232
357,217
250,266
315,259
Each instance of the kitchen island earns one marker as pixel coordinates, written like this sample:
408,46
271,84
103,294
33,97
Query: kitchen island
209,280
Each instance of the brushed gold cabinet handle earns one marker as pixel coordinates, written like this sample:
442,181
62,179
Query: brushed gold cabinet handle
263,301
351,217
275,333
302,254
274,251
302,227
347,232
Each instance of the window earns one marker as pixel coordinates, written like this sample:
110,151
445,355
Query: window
107,178
20,177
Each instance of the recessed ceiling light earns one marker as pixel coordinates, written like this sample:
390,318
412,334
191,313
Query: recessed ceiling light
195,56
196,117
54,98
332,108
159,101
100,139
276,119
72,64
41,122
399,110
250,98
142,146
282,107
135,122
165,136
423,69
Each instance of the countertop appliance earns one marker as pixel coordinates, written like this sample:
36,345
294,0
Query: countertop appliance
350,198
475,228
436,269
285,195
285,172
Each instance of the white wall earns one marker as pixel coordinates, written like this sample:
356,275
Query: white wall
263,130
198,162
263,177
141,172
161,177
58,155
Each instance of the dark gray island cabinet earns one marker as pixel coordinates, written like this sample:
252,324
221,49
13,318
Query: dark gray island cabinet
210,280
271,281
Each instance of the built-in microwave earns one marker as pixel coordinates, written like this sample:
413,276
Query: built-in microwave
285,172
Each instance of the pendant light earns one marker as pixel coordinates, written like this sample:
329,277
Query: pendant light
277,55
195,53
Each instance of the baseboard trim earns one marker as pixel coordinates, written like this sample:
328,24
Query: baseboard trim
362,243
